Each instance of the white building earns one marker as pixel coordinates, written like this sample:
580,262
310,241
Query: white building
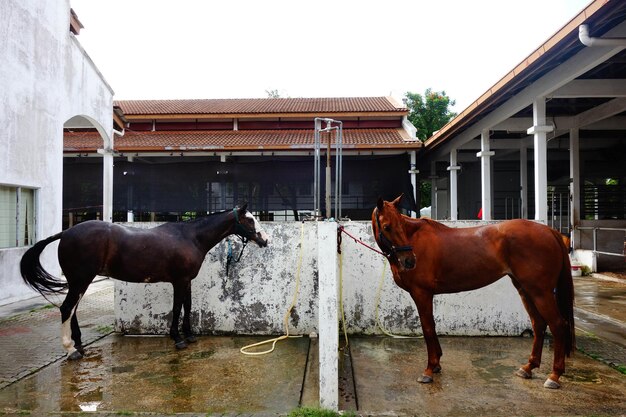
47,83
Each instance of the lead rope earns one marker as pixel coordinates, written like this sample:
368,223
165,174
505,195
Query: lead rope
273,341
378,292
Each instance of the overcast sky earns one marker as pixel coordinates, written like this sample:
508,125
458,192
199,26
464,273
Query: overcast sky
163,49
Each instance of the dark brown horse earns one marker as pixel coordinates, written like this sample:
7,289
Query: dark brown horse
429,258
171,252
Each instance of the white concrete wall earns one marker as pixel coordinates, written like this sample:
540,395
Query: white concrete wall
45,79
253,300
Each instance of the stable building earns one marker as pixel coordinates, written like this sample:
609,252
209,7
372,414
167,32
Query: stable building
177,159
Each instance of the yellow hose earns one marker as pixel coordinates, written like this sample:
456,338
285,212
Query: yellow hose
286,318
380,326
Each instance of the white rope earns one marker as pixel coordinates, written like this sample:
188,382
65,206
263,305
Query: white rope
275,340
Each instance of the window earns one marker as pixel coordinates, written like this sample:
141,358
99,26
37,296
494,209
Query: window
17,216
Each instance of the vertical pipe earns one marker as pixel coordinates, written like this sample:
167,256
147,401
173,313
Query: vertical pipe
328,175
316,171
523,176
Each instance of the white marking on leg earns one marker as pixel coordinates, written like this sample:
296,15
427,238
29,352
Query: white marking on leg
66,331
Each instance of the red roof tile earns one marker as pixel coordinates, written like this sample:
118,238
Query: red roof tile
259,106
242,140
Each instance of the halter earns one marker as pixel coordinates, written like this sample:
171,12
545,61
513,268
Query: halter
385,244
239,231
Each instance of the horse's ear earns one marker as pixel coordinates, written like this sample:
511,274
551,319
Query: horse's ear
397,201
380,204
244,208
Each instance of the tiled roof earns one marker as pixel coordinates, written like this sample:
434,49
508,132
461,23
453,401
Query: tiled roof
260,106
241,140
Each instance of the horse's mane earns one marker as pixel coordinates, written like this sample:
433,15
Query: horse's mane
425,220
205,216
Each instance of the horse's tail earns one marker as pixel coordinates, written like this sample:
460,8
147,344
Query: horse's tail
33,273
565,295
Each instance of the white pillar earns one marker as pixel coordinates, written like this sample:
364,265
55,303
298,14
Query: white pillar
433,190
523,180
485,174
414,171
453,168
328,315
107,184
539,130
574,173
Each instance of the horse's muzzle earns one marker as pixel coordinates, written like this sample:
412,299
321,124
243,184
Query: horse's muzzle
260,241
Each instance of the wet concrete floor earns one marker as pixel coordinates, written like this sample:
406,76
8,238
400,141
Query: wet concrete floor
122,374
477,380
146,374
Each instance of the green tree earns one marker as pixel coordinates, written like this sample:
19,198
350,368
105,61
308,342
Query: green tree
429,112
272,93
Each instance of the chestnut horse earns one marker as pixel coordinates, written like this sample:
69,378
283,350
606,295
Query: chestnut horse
171,252
462,259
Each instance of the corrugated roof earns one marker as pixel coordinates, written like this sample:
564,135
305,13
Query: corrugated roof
259,106
239,140
556,50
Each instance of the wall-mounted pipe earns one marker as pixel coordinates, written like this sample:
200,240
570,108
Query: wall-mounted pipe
583,35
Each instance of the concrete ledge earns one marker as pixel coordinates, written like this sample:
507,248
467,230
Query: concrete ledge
254,297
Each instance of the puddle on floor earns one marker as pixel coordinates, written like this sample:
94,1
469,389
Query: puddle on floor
135,374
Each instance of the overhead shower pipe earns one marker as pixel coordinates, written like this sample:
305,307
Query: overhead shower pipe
583,35
338,128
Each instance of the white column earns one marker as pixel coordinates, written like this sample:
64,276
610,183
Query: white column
433,190
328,315
539,130
107,184
523,180
485,174
574,173
453,168
414,171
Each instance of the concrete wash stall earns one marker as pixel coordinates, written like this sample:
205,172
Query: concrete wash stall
253,298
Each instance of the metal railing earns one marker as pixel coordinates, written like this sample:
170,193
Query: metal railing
595,237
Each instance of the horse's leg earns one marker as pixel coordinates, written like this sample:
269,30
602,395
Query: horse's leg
77,334
68,311
189,337
548,308
179,296
424,303
539,331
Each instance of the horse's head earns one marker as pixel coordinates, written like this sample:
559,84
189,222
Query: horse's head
388,227
248,227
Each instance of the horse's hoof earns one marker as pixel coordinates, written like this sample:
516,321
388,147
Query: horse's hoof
425,379
191,339
80,349
550,384
181,345
437,369
523,374
74,356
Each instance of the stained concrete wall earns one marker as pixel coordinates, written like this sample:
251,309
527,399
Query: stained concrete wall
45,79
258,291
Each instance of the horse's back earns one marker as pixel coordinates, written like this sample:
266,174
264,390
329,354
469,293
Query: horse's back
533,246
